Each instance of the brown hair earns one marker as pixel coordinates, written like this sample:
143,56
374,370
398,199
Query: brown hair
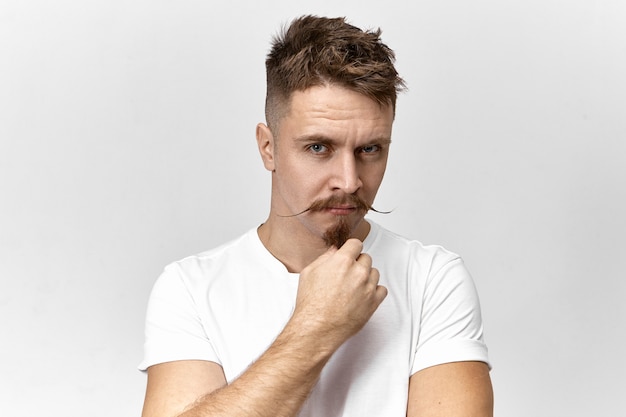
318,51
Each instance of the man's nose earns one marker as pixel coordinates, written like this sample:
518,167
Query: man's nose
346,175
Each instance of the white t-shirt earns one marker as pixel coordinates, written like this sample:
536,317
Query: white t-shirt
227,305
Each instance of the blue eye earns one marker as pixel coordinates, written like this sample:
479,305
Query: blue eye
370,149
318,148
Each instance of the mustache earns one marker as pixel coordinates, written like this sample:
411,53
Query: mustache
350,200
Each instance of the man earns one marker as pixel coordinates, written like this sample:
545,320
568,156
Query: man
319,312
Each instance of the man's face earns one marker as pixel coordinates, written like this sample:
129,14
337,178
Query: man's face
331,146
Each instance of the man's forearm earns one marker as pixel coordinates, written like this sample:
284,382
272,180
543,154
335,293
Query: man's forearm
276,385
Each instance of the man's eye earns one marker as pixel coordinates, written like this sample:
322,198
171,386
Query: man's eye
318,148
370,149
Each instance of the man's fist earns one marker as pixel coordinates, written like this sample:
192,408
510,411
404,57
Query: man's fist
338,293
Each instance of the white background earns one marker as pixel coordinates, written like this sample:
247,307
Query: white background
127,142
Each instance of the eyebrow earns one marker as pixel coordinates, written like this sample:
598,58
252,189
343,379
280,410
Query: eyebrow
316,138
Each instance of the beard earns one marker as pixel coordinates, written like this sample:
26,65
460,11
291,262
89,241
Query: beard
338,234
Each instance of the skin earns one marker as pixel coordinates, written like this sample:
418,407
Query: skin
332,142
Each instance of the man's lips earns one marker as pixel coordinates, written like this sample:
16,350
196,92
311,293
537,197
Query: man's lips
340,209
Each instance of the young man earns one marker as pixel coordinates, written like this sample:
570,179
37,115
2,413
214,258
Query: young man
319,312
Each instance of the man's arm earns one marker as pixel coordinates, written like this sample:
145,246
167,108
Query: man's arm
337,294
458,389
173,386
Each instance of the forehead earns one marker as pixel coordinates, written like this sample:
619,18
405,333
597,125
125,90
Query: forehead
335,110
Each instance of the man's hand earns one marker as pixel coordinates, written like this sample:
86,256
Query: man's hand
338,293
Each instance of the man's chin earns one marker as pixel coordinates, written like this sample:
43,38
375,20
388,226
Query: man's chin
341,231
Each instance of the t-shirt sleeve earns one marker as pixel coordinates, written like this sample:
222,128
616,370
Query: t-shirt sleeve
174,330
450,328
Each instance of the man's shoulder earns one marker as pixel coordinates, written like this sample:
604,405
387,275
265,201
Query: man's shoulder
229,246
234,248
391,242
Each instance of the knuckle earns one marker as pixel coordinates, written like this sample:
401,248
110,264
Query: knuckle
362,270
375,274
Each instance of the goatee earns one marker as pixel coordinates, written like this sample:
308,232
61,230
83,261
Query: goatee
338,234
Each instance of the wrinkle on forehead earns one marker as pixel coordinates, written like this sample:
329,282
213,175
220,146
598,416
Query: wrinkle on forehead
345,104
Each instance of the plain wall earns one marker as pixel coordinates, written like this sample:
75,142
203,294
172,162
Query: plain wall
127,142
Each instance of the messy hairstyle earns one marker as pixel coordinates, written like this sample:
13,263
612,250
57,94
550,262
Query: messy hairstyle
316,51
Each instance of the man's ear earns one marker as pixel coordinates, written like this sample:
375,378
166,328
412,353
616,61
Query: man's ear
265,142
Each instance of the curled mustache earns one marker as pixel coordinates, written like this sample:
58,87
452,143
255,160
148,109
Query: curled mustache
351,200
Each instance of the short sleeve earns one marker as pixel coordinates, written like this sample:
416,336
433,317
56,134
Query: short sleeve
174,329
451,328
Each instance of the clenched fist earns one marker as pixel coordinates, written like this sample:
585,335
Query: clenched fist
338,293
